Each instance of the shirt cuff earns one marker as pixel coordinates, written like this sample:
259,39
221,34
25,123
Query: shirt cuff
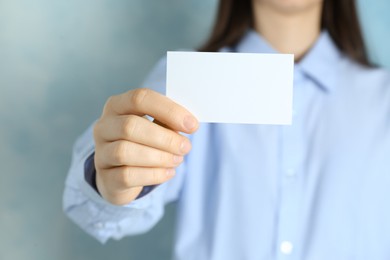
90,172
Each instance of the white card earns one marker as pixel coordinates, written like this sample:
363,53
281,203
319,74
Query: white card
232,87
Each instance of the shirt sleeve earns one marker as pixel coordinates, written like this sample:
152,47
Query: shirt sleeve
101,219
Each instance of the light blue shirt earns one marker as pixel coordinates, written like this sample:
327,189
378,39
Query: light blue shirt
316,190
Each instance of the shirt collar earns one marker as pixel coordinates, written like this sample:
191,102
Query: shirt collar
319,64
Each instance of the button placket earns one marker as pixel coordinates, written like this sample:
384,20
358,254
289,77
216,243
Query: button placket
292,158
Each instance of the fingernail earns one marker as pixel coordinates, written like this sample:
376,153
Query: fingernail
170,172
189,123
185,147
177,159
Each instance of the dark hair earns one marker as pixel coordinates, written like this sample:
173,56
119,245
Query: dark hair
339,18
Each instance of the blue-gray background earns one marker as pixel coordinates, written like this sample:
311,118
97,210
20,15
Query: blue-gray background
59,61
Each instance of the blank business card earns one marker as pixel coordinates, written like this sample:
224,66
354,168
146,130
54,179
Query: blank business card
246,88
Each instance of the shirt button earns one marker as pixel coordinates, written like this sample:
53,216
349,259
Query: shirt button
286,247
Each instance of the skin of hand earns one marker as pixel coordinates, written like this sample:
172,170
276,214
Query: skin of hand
132,151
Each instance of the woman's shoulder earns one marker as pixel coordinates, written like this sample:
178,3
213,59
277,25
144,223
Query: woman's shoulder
366,76
366,87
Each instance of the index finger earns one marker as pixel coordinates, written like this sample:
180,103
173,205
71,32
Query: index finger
144,101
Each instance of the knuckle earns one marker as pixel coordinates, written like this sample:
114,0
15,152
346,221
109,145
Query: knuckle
138,96
130,126
125,178
108,104
97,130
120,150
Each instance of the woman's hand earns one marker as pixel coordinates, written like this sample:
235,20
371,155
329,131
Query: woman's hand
131,151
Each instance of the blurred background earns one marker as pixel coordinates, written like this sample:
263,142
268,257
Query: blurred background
59,61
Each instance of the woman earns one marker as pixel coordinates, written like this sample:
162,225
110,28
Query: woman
315,190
